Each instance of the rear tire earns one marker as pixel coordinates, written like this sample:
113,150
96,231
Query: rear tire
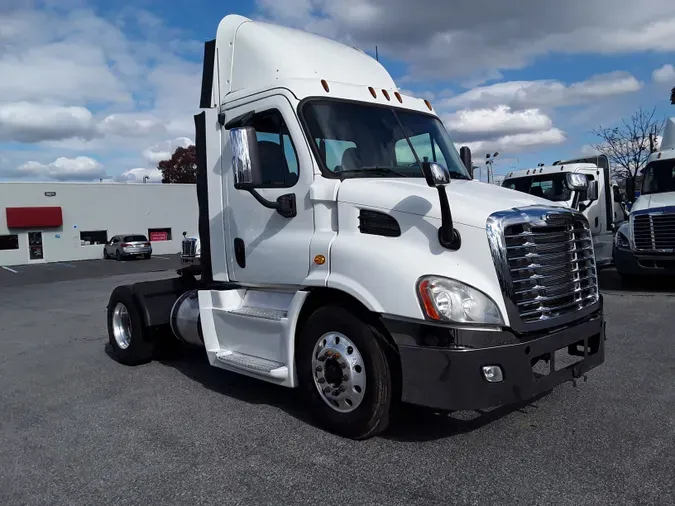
127,334
118,255
147,256
363,408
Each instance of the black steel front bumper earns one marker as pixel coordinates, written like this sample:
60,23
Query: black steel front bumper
632,263
442,367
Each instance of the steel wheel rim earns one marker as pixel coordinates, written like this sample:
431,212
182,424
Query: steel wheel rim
339,372
121,325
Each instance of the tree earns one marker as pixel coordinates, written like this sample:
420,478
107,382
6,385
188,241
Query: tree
181,168
628,146
672,96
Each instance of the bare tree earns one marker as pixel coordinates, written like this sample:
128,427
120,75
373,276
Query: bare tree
629,145
672,96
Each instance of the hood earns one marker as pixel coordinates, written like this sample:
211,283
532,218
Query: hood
653,201
471,202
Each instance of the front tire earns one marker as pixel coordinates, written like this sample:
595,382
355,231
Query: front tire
344,373
127,333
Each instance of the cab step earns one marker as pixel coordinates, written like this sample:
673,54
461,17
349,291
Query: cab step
260,312
256,365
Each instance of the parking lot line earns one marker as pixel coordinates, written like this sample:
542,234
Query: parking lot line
9,269
65,264
161,258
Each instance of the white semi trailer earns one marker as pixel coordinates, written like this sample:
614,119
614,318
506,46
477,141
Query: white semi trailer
346,250
583,184
645,244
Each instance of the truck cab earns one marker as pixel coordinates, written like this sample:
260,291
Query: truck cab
645,244
583,184
190,251
347,251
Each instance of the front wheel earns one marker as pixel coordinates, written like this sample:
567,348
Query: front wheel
345,373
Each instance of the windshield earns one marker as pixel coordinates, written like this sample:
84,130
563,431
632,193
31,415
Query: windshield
659,177
357,140
549,186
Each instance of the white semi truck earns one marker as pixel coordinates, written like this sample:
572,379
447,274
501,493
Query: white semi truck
645,244
583,184
346,250
190,250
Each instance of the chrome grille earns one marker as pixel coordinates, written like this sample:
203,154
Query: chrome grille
189,248
654,231
547,270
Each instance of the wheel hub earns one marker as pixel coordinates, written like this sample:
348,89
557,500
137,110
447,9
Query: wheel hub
339,372
121,324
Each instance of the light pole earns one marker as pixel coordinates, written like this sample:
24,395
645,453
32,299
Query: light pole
489,160
145,179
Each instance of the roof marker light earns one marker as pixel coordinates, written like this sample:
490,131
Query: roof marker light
428,104
372,91
325,85
398,96
386,94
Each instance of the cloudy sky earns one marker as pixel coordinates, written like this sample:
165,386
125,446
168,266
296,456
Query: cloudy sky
96,89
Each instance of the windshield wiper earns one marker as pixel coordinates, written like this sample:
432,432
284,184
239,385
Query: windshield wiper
381,171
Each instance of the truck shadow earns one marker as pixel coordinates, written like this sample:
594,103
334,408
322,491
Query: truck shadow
610,281
411,423
417,424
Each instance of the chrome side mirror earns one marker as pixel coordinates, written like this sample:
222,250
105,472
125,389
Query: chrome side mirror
245,159
436,174
592,191
576,181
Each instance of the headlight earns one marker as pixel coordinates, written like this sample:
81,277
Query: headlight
621,237
621,241
445,299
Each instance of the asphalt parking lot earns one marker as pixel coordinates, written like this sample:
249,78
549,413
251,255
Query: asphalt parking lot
76,427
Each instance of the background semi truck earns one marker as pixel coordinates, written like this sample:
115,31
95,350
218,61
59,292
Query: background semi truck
346,250
645,244
583,184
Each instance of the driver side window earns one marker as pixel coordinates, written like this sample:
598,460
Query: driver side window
278,158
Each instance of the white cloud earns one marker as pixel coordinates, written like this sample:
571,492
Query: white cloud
519,142
546,93
164,150
468,125
131,125
27,122
81,168
73,84
451,40
137,175
665,74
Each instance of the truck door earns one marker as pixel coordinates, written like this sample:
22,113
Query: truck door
262,246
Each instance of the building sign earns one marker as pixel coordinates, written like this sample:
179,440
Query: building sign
159,236
34,217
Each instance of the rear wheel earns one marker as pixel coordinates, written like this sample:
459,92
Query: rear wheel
118,255
147,256
127,333
344,373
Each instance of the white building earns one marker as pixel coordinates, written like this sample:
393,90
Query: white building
56,222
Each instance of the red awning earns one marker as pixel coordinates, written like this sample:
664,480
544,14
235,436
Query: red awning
34,217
